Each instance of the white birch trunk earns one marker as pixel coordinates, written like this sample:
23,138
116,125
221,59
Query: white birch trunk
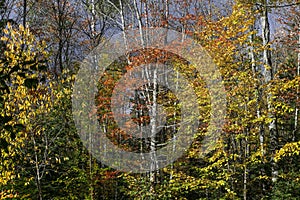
268,75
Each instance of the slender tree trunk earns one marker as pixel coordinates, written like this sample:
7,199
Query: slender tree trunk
93,20
24,12
93,33
91,142
297,90
153,124
91,187
245,167
166,13
246,154
37,169
140,24
60,45
268,75
258,95
123,24
266,41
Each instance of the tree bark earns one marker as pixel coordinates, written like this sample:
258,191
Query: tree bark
24,12
297,90
268,75
37,169
153,124
140,24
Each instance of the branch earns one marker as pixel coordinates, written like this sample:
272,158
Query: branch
277,6
111,3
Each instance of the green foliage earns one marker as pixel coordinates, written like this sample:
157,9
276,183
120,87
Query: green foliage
287,189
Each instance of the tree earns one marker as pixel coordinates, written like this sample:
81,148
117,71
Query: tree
21,66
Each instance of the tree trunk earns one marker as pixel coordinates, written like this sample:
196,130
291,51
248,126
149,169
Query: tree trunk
37,169
140,24
258,95
123,25
153,124
297,90
268,75
24,12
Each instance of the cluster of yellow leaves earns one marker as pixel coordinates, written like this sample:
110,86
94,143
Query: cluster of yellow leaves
8,194
288,150
23,55
223,38
28,106
226,40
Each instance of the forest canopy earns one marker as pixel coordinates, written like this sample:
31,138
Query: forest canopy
255,47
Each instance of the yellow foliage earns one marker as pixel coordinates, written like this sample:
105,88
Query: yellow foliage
288,150
23,55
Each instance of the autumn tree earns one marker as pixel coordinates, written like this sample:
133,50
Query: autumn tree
23,59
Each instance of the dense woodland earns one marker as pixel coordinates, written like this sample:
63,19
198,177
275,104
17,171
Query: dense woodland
256,47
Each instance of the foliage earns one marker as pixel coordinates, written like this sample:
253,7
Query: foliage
21,71
42,156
